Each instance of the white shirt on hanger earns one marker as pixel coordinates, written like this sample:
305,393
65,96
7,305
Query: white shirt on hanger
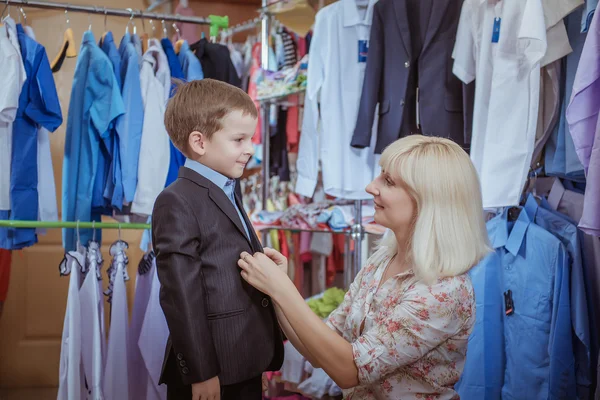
507,90
155,155
335,73
11,82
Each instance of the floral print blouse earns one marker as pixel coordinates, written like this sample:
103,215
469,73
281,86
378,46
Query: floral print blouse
414,341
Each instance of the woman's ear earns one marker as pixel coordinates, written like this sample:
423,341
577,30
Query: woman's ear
197,143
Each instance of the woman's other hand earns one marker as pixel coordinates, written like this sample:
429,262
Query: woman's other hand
278,258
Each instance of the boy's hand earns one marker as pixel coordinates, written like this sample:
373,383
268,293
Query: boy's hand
207,390
277,258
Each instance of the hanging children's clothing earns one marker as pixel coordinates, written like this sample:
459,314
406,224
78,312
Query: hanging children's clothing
335,72
38,106
192,69
153,165
95,104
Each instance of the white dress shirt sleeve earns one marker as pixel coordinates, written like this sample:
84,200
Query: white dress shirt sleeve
153,165
308,148
464,52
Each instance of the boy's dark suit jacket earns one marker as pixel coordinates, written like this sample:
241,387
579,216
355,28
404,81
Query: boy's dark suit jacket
219,325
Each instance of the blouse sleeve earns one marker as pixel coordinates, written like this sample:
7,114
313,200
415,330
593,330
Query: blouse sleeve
337,319
423,318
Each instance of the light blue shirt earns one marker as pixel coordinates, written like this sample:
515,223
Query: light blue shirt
95,103
566,231
561,158
131,124
483,374
588,13
540,363
226,184
192,69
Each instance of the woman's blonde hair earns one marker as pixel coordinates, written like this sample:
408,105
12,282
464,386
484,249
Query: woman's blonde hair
449,234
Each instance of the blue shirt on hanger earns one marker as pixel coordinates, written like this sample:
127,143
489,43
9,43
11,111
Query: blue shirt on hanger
567,232
177,159
38,106
192,69
483,374
130,124
95,103
541,364
108,186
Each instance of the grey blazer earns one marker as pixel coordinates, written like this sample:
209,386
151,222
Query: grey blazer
219,325
411,46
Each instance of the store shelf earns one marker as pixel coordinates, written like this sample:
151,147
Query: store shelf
280,96
294,230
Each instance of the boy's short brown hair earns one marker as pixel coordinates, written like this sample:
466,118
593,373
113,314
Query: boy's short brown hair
200,106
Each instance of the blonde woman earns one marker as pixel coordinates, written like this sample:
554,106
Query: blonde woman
402,330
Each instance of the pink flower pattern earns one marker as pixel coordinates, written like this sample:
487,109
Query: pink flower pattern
414,340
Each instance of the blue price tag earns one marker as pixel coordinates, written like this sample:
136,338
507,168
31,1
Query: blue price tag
496,30
363,50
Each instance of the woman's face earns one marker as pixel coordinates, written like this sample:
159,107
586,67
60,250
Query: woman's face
394,208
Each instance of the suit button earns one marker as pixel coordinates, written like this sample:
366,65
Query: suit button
182,363
265,302
179,356
402,102
185,370
406,64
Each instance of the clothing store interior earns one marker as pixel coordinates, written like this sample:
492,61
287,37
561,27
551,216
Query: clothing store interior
85,152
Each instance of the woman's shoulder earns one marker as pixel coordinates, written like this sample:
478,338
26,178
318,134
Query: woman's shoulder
451,293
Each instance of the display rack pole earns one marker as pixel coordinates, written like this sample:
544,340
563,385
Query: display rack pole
264,109
357,236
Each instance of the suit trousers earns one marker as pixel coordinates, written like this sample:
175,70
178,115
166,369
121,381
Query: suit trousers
247,390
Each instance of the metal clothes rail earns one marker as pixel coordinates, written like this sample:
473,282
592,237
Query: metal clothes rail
213,20
71,225
244,26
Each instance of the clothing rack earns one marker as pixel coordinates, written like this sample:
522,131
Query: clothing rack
245,26
213,20
71,225
357,232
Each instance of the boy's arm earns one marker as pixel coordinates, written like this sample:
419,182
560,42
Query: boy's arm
176,239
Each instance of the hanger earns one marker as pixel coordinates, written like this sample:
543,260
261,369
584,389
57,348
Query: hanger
67,49
180,41
105,23
153,28
164,27
130,22
24,16
144,37
5,9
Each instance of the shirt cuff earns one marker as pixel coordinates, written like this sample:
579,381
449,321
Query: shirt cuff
305,186
462,74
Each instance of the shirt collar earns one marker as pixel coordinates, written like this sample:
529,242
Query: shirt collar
88,37
512,240
215,177
106,40
351,16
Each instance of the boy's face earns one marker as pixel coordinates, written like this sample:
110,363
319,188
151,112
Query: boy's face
229,150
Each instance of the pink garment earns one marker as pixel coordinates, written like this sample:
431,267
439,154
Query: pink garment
292,128
188,32
409,340
254,74
305,254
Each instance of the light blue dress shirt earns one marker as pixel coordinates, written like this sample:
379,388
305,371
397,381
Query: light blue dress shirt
561,158
226,184
567,233
539,355
192,69
483,375
588,13
131,124
38,106
95,103
108,187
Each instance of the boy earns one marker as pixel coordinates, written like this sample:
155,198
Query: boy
223,333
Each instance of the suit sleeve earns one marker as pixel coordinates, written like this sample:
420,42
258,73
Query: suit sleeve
176,241
371,85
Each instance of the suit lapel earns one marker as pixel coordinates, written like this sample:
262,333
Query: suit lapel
254,242
439,21
218,196
402,20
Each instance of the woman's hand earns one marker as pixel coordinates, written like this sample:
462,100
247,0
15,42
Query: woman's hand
278,258
263,272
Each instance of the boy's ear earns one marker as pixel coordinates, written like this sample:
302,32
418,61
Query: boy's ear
197,143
